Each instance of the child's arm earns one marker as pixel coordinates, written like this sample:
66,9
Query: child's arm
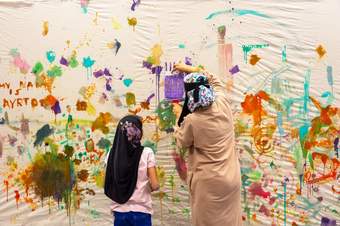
153,178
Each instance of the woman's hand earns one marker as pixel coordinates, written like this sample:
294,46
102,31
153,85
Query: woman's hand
185,68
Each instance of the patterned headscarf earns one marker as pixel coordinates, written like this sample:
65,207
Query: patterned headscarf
198,91
198,94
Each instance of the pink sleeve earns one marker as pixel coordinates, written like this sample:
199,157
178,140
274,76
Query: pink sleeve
151,160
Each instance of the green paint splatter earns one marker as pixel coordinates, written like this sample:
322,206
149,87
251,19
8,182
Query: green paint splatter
151,145
248,48
38,68
284,54
181,46
130,99
255,175
55,71
167,118
73,62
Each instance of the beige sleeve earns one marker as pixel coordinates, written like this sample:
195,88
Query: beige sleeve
184,134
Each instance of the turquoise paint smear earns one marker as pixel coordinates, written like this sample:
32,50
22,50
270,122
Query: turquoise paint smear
237,12
214,14
284,54
247,48
280,123
242,12
306,92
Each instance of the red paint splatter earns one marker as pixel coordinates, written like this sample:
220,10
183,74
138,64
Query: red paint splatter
255,189
6,185
264,210
181,166
272,200
17,198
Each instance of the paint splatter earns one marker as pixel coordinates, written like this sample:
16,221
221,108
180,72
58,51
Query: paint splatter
63,61
181,46
254,59
256,189
248,48
101,122
325,221
17,198
284,54
166,115
135,3
130,99
43,133
115,46
52,176
38,68
263,209
127,82
81,105
237,12
321,51
115,24
234,70
104,144
88,63
50,55
84,5
55,71
19,62
45,28
156,53
132,22
83,175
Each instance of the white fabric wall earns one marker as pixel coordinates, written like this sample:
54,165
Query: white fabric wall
299,25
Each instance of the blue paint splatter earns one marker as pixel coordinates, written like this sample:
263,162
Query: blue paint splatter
42,133
127,82
50,55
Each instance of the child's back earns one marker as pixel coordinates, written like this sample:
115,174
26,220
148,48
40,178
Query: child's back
130,175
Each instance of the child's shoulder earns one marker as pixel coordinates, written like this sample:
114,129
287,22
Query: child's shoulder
147,150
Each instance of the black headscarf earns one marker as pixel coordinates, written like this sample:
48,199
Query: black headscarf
188,87
122,165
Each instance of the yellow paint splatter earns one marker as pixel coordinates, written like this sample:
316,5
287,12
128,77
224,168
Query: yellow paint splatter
90,109
321,51
110,45
156,53
132,22
115,24
95,20
45,28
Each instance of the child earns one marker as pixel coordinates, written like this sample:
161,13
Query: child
130,175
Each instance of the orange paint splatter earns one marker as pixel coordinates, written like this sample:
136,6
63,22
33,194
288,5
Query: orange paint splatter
101,122
136,111
254,59
321,51
45,28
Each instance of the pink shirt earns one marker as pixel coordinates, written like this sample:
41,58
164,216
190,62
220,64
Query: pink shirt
140,200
